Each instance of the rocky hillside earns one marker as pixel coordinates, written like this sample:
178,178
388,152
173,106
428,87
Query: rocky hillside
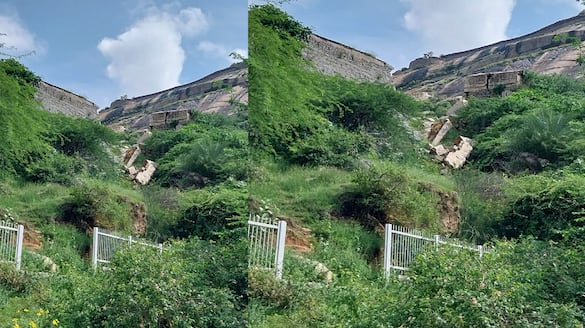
548,50
222,91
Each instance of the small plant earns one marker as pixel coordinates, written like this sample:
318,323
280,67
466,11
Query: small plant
40,318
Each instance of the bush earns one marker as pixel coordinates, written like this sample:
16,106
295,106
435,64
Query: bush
482,203
93,203
23,125
199,154
385,194
543,207
57,168
212,212
455,288
14,280
163,210
145,288
333,147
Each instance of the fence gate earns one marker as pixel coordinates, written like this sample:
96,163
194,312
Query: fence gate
11,239
401,245
105,245
266,241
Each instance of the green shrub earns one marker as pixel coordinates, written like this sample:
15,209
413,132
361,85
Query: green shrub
143,287
93,203
16,70
543,206
455,288
211,212
162,211
201,153
14,280
23,125
271,16
483,200
332,147
57,168
385,194
263,285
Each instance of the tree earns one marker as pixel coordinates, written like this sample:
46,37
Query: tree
4,48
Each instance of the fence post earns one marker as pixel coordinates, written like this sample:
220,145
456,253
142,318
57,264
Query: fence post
94,255
437,242
280,243
19,242
387,249
480,249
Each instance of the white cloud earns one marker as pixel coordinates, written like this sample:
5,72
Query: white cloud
149,57
191,21
449,26
16,39
218,50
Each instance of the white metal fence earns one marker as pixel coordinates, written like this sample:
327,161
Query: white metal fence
11,239
401,245
266,241
105,245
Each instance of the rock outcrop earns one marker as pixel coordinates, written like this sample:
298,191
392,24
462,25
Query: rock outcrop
542,51
221,92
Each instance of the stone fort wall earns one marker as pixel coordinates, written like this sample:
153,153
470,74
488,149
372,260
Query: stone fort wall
58,100
334,58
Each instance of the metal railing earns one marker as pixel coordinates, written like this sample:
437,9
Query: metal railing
105,245
11,240
402,245
266,242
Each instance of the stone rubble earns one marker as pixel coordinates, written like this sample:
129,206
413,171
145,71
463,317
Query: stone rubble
454,156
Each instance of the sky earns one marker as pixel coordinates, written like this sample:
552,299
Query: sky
399,31
105,49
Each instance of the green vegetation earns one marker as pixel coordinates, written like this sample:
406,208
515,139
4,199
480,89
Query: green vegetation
60,176
337,159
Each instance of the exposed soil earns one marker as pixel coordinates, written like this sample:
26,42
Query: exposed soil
448,209
138,218
32,238
297,237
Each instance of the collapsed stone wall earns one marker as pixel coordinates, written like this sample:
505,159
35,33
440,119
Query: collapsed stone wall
334,58
58,100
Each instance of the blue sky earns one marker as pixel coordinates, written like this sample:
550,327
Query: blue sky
105,49
398,31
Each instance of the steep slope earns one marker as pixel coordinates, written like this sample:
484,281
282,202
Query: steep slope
539,51
219,92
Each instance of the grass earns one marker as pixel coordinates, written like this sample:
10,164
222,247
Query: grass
301,192
32,203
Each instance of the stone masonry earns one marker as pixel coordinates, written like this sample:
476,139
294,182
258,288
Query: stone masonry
484,83
334,58
58,100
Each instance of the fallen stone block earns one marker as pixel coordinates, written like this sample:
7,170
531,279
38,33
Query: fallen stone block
438,150
457,158
146,172
445,127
